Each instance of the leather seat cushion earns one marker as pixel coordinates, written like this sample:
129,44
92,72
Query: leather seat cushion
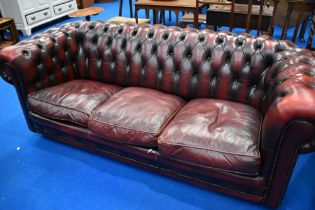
215,133
135,116
72,101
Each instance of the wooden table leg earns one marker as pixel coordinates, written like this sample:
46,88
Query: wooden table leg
285,27
298,22
302,32
120,7
196,13
271,29
162,17
154,16
88,18
147,13
136,14
130,8
176,16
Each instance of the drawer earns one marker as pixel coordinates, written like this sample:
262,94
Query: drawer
62,8
38,16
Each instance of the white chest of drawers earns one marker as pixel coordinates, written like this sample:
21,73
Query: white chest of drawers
28,14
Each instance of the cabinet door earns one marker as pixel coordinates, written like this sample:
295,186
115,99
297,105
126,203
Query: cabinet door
28,5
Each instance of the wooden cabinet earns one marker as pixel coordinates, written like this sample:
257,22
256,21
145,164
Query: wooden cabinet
28,14
85,3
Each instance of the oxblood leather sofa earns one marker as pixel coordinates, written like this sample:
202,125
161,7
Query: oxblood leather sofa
222,111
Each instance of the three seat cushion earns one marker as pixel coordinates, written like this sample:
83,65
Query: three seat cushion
72,101
135,116
214,133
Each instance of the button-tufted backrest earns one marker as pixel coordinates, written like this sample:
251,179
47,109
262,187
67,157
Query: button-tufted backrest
184,62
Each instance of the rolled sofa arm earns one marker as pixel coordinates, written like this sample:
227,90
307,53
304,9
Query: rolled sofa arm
40,62
289,121
43,60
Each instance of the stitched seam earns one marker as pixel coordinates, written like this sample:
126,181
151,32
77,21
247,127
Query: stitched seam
215,168
171,118
207,149
142,131
291,123
31,97
118,126
61,119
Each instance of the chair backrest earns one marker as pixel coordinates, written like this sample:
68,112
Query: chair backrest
233,11
304,6
200,3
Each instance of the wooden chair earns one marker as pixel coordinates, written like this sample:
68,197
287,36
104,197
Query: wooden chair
301,6
131,19
197,19
248,16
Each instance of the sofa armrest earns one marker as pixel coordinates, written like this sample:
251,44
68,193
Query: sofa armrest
40,62
44,60
289,121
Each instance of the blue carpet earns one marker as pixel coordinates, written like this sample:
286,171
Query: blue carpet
37,173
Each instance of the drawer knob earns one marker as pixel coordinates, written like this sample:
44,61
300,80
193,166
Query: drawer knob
70,5
59,9
45,13
33,18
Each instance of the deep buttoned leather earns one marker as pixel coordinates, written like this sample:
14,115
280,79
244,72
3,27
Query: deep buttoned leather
274,77
215,133
183,62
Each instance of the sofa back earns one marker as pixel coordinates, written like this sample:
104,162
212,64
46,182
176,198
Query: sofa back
184,62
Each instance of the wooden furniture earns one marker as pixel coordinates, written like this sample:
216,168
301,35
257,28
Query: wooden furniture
7,25
225,112
297,5
175,5
104,1
202,18
121,2
129,20
188,18
85,3
87,12
246,16
28,14
311,36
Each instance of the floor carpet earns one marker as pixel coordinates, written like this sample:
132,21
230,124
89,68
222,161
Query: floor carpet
37,173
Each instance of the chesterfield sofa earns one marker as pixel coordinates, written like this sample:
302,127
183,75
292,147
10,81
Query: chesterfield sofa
222,111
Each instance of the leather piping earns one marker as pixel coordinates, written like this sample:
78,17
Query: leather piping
208,149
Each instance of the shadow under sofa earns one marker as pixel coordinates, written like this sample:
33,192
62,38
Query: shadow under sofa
222,111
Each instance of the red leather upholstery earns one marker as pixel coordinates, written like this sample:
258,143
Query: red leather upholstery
274,77
215,133
72,101
182,62
135,116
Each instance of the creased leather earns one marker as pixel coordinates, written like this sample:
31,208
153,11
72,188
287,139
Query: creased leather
135,116
72,101
215,133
